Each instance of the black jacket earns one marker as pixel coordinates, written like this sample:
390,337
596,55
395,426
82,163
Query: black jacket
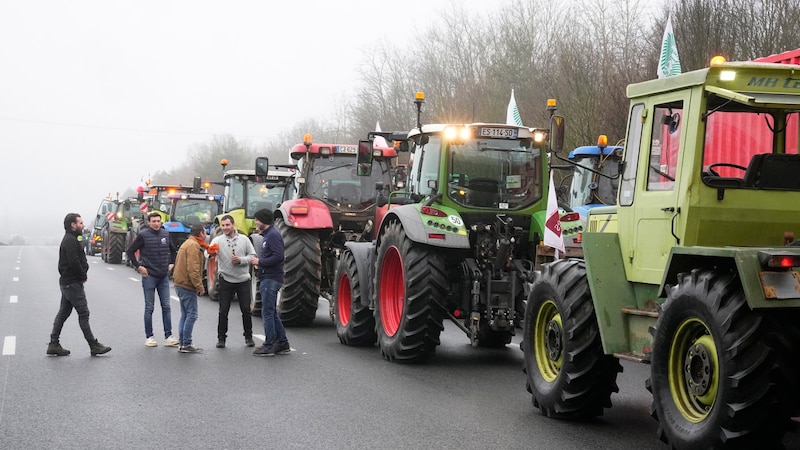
72,263
156,251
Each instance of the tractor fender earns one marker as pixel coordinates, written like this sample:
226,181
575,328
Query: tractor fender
364,255
409,216
305,213
536,232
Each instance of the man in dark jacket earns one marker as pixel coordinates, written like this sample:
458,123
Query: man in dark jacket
73,267
157,257
270,280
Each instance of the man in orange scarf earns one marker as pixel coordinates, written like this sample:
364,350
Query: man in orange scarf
188,279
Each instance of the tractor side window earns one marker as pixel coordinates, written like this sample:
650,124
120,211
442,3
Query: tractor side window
429,165
632,146
665,142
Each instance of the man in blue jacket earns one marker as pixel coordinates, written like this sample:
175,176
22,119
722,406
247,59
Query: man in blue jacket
156,259
73,268
270,280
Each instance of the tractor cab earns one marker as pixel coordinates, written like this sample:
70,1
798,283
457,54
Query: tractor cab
486,166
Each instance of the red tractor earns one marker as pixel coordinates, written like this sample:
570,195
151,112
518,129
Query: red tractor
330,205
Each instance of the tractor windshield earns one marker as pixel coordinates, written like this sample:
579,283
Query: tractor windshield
590,188
244,192
334,180
495,173
193,211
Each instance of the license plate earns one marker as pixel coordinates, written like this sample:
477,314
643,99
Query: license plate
495,132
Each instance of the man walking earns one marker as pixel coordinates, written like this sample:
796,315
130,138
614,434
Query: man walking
188,280
157,253
270,280
233,267
73,268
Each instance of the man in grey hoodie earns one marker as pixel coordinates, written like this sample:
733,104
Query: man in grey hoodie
233,266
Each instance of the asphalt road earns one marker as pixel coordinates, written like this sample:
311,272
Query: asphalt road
323,395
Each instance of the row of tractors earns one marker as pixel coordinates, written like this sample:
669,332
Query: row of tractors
681,251
685,259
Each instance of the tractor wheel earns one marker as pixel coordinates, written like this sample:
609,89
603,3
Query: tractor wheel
116,247
302,269
711,370
567,371
409,280
355,324
212,275
255,296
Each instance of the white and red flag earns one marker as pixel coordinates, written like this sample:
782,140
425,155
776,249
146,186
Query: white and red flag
552,224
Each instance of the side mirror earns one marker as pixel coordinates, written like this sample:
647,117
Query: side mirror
557,133
364,159
262,167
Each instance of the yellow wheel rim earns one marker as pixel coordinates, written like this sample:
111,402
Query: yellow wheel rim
693,370
548,341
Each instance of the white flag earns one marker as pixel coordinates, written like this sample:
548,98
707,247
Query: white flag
512,115
379,141
668,62
552,223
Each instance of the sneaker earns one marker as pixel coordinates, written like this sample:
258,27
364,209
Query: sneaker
283,349
264,350
171,342
55,348
190,349
151,342
97,348
221,343
249,342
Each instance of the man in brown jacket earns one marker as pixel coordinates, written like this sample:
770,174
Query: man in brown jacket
187,276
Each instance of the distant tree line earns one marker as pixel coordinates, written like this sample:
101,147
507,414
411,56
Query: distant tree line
583,53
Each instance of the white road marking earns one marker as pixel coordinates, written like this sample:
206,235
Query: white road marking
13,299
16,268
10,345
15,279
134,279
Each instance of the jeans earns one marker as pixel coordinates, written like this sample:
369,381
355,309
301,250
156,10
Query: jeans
72,296
150,285
226,292
188,314
274,333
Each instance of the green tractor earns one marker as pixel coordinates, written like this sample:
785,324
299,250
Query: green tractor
116,227
458,244
690,272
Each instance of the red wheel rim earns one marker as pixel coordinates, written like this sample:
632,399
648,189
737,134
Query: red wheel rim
392,295
344,301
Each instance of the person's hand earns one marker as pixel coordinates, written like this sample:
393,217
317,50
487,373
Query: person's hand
253,260
236,260
201,292
169,269
142,270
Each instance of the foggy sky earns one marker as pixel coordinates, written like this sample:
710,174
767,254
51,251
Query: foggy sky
96,95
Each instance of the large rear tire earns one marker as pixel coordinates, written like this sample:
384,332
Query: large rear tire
712,369
567,372
116,247
355,324
409,280
302,273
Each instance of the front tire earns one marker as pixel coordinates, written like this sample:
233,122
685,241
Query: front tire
116,246
355,324
302,274
711,367
409,280
568,374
